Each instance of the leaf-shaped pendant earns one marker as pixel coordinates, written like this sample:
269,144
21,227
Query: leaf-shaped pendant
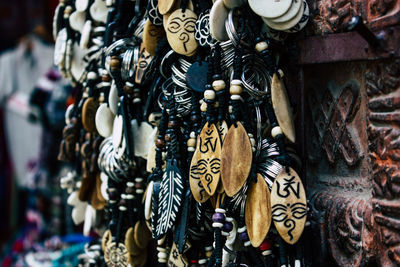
130,244
222,130
289,205
236,157
208,154
258,211
282,109
196,186
170,198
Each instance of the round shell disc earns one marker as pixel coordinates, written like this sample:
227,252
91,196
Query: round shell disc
270,8
283,26
99,11
89,110
116,255
181,30
258,211
104,120
303,21
236,158
282,109
77,20
196,186
289,205
218,15
291,13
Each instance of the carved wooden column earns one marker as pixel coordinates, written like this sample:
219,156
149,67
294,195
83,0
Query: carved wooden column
352,134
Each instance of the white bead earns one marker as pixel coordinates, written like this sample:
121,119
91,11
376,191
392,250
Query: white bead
162,260
242,229
209,248
236,97
113,201
139,191
236,82
280,72
297,263
191,149
129,196
261,46
129,84
229,219
276,131
209,94
122,208
218,85
250,135
252,141
136,100
247,243
161,249
267,252
253,149
219,210
202,261
217,225
192,135
224,233
130,184
92,75
105,84
138,180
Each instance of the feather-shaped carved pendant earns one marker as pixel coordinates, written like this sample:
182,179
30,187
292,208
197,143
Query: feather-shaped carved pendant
236,157
282,109
170,198
289,205
208,158
258,211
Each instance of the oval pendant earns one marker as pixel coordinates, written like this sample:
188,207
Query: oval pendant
142,235
218,15
104,120
236,157
181,30
291,13
270,9
151,36
164,6
258,211
284,26
130,243
208,152
196,186
282,109
289,205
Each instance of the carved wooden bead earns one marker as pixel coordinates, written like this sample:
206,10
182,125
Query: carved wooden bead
114,62
261,46
218,85
209,94
280,72
236,82
160,143
235,89
191,149
191,142
173,124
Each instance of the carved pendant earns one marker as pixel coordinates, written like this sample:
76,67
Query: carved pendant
258,211
289,205
180,32
282,109
89,110
116,256
164,6
236,157
151,36
202,27
196,186
208,158
142,235
144,61
177,259
222,129
170,198
106,238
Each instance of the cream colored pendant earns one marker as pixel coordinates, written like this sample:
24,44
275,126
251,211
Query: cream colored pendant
175,258
165,6
196,186
104,120
282,109
130,242
236,158
78,63
99,11
180,32
117,131
142,235
208,153
291,13
284,26
258,211
140,137
289,205
90,218
77,20
218,15
151,36
269,8
147,200
116,255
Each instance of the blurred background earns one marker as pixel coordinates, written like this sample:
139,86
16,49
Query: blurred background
35,228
